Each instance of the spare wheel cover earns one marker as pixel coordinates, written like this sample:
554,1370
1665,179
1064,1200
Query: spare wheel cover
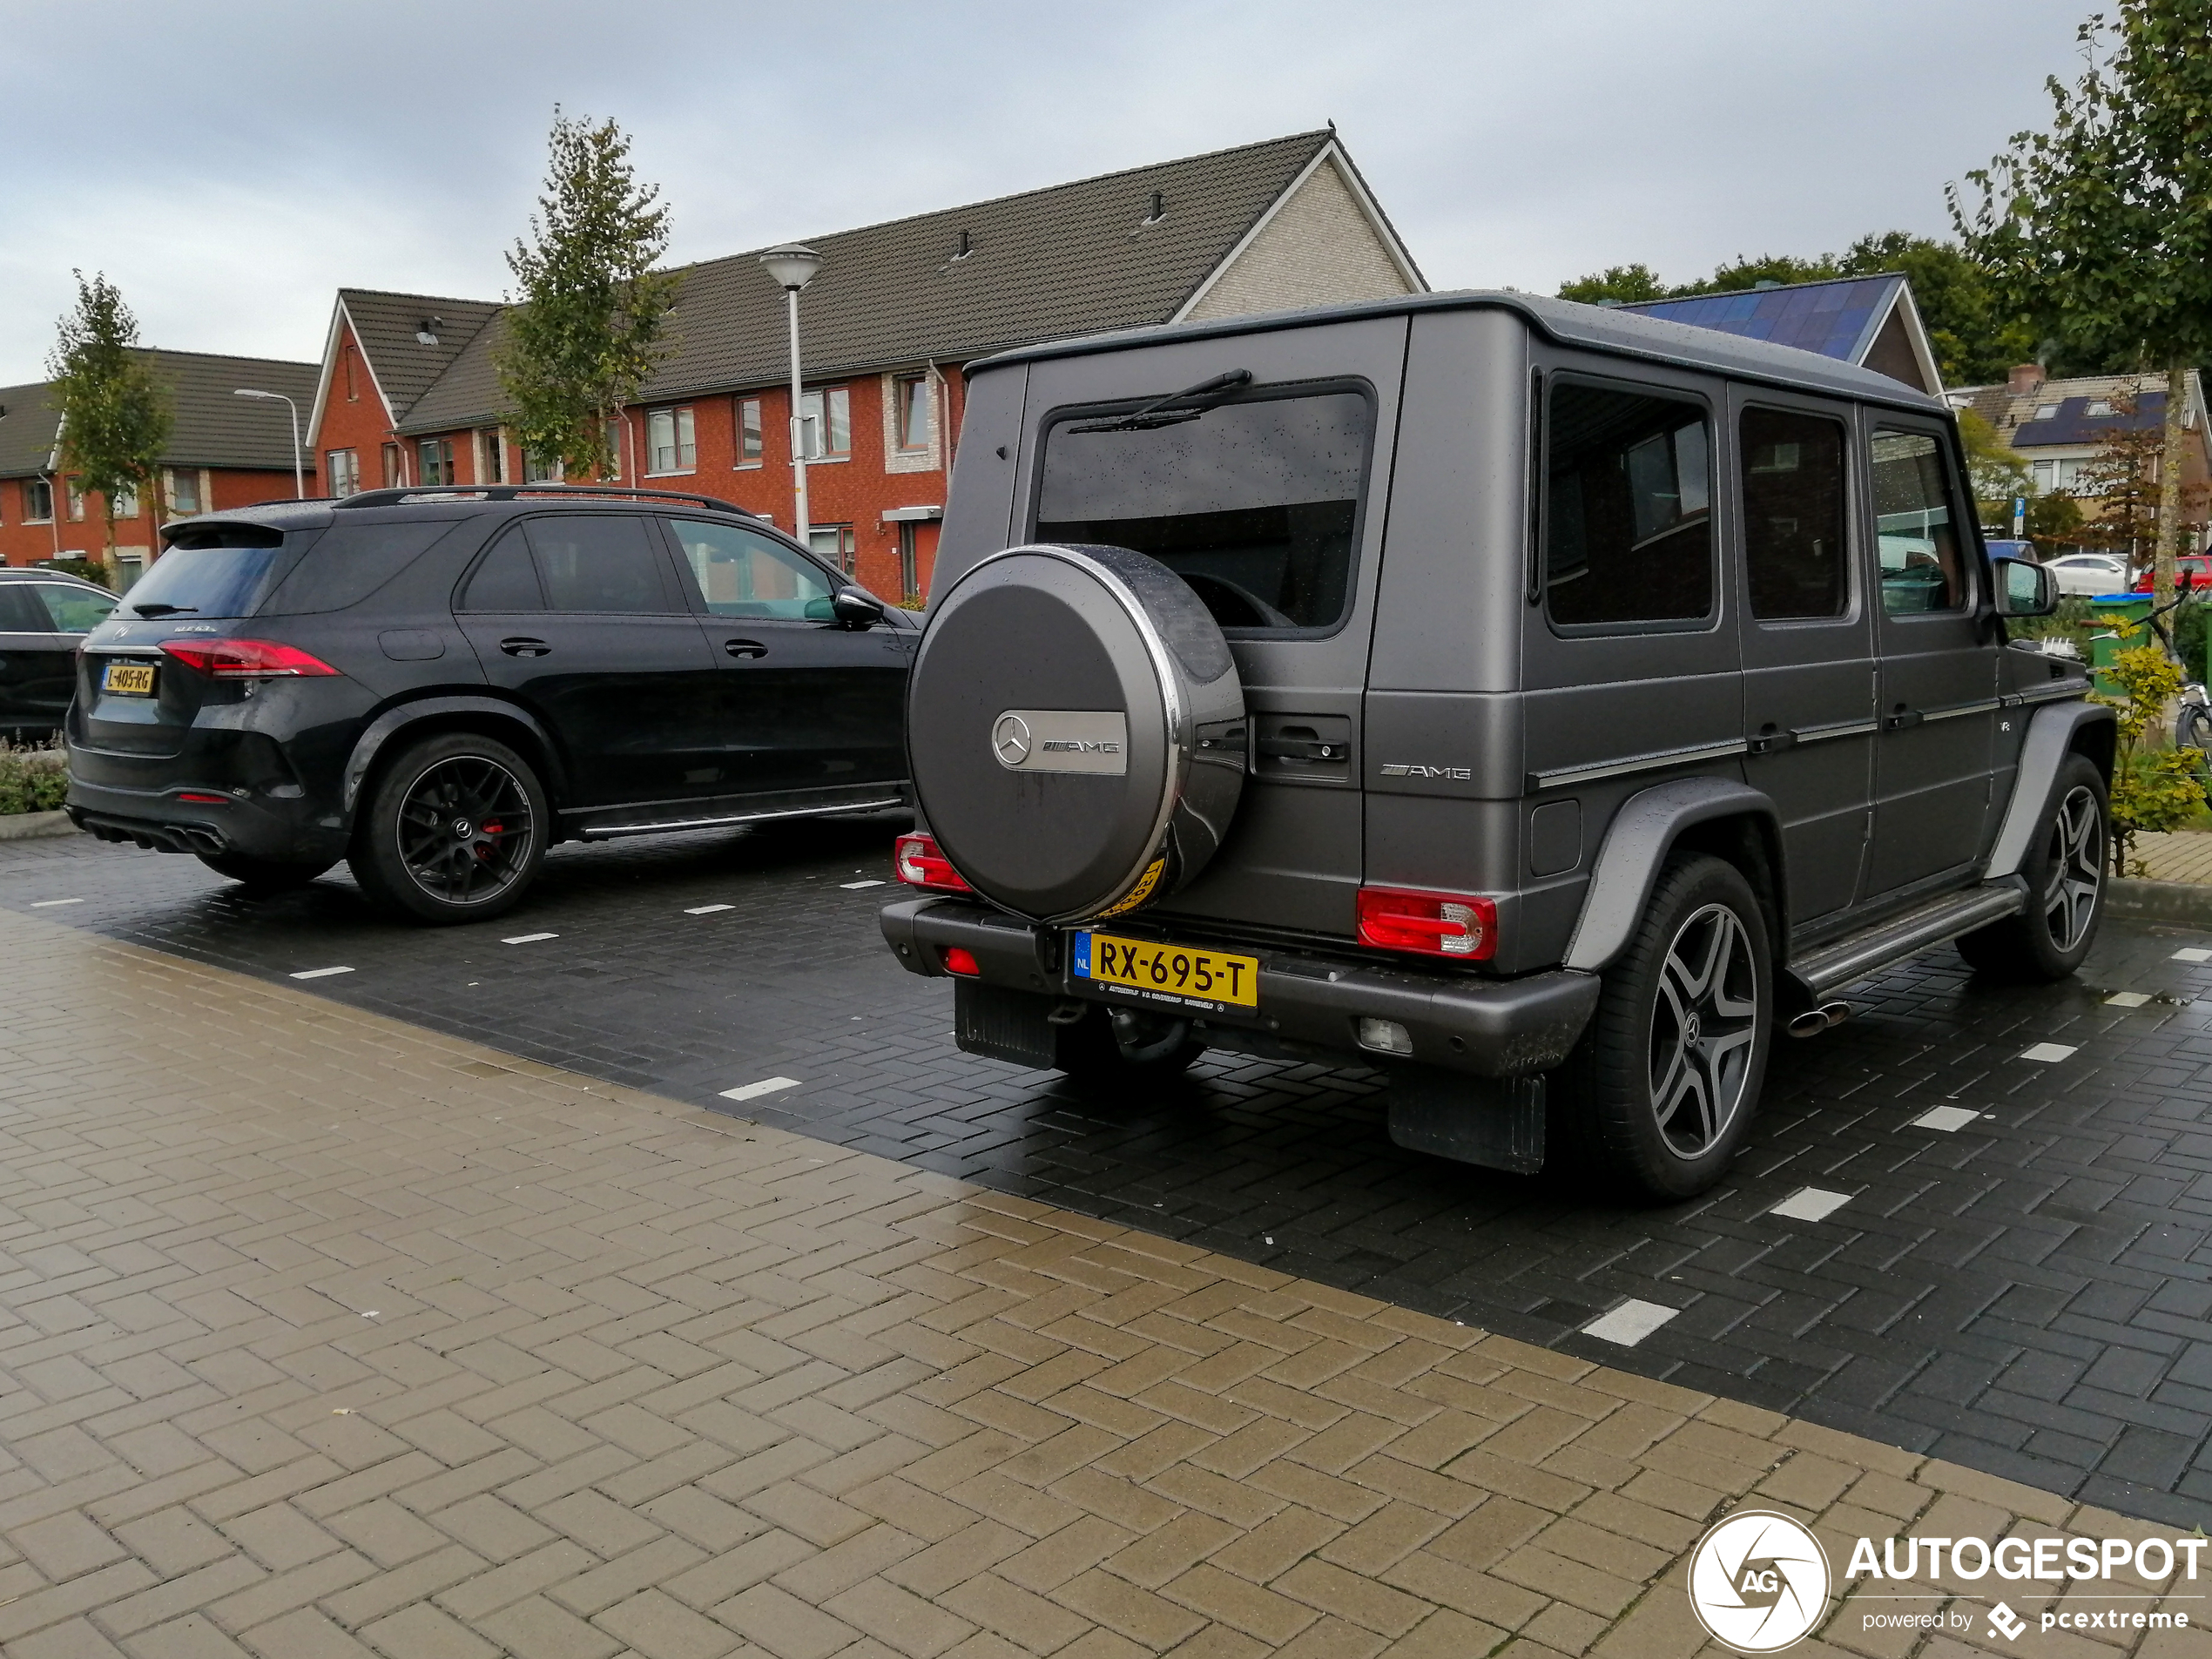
1075,725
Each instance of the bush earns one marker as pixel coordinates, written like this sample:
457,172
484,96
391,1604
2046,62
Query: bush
31,781
85,569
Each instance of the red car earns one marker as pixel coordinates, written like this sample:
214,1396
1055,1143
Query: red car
2191,571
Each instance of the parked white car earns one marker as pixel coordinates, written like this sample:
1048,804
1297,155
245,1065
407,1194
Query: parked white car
2090,573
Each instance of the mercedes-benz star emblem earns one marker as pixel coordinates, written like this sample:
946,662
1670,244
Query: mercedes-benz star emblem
1010,738
460,827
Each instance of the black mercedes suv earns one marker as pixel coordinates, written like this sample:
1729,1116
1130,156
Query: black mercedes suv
436,685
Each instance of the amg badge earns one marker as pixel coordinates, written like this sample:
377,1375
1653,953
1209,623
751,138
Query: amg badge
1457,774
1095,741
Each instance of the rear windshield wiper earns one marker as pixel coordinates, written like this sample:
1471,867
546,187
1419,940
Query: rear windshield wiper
157,609
1214,391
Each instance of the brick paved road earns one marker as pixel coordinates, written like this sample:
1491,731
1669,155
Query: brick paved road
2029,1295
323,1337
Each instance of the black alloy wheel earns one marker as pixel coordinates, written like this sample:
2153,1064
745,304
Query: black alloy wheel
2064,871
454,831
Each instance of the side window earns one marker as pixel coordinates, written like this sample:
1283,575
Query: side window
1916,532
742,573
1629,519
73,610
1793,515
597,564
19,613
506,580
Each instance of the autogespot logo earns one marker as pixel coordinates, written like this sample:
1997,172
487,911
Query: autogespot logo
1758,1582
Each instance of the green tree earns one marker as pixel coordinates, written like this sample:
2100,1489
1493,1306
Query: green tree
2101,229
589,323
1743,272
1621,284
116,417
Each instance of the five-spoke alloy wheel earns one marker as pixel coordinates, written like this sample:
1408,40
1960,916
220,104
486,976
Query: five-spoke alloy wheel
2064,871
1704,1030
454,831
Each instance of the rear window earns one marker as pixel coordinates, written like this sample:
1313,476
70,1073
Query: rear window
204,581
1254,504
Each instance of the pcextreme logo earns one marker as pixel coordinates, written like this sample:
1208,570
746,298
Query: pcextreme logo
1758,1582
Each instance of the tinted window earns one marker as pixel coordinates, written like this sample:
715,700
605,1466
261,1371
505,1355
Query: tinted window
73,610
1793,515
601,564
1628,519
1254,504
350,563
743,573
506,580
206,581
1915,530
19,613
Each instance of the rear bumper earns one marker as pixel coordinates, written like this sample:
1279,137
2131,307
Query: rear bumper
1309,1005
259,827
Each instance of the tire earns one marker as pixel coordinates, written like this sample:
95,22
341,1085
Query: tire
2066,872
454,830
1645,1110
1127,1046
263,876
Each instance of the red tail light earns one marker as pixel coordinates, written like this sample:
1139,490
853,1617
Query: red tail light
246,660
960,962
1436,924
920,865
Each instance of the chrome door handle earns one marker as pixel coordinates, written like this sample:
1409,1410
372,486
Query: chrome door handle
743,648
525,647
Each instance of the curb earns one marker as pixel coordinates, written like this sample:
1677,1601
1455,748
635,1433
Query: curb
24,826
2182,902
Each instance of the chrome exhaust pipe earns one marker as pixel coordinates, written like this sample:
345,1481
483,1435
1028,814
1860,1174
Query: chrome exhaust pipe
1835,1012
1813,1022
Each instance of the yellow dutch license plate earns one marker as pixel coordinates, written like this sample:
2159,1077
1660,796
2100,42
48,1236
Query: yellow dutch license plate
128,679
1167,973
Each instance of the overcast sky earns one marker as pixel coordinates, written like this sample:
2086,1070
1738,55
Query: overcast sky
229,163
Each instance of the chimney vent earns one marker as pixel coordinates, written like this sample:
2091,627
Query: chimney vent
965,248
2024,378
1159,209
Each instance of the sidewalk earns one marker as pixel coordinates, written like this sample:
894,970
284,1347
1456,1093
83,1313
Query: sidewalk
320,1335
2184,855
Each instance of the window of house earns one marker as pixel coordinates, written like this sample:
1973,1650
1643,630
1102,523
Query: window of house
352,395
913,412
433,459
2099,409
743,573
182,487
38,501
909,562
493,442
1915,530
535,471
394,474
123,501
617,433
1627,513
76,500
597,563
834,545
2046,411
670,446
2045,475
345,472
1793,515
826,422
748,431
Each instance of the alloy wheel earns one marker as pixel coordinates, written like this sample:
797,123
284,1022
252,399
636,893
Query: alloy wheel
2077,867
466,830
1704,1030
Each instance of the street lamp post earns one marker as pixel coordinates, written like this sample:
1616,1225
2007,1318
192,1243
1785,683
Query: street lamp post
299,470
793,267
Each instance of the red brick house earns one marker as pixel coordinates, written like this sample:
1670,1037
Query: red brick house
408,393
224,451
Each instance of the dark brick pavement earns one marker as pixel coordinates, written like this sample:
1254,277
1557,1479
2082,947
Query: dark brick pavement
2030,1295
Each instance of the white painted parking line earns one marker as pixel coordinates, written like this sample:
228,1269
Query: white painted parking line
850,887
1630,1323
321,973
2047,1051
765,1086
2127,999
1944,1119
2193,955
48,904
708,909
1810,1203
527,939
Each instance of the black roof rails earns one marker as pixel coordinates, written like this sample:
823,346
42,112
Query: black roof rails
513,492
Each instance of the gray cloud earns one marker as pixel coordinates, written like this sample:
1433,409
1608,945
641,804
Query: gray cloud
232,162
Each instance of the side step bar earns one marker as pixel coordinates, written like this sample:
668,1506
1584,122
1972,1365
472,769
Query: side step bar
1937,922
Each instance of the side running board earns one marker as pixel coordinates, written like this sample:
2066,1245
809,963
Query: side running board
1836,964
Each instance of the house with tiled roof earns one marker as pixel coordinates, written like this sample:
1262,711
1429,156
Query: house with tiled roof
224,450
409,394
1870,321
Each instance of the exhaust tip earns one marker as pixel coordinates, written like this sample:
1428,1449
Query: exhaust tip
1835,1012
1810,1023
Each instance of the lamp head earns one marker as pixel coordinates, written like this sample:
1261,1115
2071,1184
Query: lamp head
792,265
246,392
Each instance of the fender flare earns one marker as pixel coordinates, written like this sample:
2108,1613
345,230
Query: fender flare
390,724
2051,738
1637,845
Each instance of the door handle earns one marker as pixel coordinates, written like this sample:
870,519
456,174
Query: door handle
1769,739
743,648
1900,718
525,647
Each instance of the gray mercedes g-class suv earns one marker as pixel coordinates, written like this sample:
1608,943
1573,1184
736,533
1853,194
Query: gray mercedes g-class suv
1540,702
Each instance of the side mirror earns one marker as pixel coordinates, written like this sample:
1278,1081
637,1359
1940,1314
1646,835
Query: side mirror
2025,588
856,607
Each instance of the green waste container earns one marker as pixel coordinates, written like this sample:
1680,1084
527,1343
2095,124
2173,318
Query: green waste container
2104,612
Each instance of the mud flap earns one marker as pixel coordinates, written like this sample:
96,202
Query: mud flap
1494,1122
1019,1027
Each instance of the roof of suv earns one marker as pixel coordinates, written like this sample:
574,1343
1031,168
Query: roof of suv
448,501
1603,328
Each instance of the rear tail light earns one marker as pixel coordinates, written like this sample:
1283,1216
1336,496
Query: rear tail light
920,865
244,659
962,962
1435,924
